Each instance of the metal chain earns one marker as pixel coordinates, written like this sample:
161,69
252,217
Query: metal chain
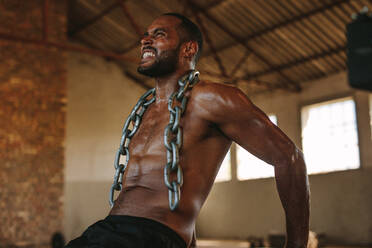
172,139
135,117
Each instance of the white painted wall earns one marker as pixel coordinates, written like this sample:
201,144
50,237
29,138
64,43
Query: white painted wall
341,202
100,98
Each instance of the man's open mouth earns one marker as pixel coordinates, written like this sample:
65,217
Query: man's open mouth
148,52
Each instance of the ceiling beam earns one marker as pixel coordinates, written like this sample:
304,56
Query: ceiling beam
45,20
234,81
239,64
186,6
67,47
295,19
275,69
93,20
288,84
130,18
295,63
283,24
211,45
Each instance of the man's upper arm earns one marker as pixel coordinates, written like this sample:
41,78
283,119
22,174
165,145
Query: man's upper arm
240,120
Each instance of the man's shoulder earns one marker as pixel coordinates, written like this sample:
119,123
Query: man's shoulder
209,91
210,86
216,99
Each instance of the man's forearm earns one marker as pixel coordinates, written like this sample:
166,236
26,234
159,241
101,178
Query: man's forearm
293,187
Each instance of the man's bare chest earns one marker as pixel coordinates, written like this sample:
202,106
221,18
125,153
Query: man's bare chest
148,138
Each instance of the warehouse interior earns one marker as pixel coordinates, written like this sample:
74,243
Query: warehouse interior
68,80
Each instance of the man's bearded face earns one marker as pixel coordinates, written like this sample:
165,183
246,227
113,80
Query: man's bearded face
160,47
157,64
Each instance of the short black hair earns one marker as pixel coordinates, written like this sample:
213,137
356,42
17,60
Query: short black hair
192,31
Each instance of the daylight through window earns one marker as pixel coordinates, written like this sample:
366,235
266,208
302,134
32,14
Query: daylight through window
329,136
224,174
251,167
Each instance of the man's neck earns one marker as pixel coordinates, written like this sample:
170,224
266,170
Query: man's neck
168,84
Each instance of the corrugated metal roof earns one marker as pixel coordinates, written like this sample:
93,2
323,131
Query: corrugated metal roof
263,45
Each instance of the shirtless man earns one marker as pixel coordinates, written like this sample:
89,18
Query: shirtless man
215,116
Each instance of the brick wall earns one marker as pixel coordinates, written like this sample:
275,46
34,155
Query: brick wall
32,124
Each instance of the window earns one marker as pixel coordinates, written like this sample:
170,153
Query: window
224,174
251,167
329,136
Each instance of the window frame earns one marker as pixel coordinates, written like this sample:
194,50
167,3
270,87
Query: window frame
300,105
319,101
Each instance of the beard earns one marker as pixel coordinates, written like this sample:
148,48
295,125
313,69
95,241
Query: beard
164,64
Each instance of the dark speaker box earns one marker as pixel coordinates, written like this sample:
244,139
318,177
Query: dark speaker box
359,52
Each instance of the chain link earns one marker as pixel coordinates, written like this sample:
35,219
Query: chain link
172,139
134,118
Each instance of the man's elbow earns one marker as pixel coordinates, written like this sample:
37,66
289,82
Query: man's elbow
292,160
297,158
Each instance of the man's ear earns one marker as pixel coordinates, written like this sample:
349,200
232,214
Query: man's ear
189,49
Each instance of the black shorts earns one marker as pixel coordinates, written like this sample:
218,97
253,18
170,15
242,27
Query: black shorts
118,231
